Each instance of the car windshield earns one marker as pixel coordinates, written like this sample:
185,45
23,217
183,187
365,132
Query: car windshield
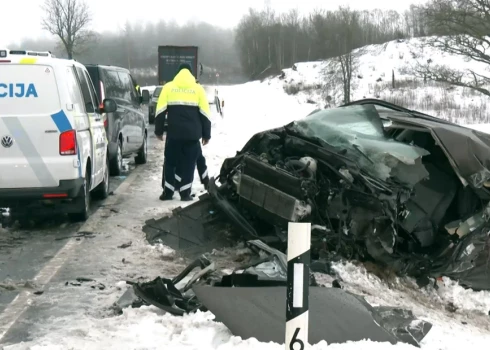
157,91
359,130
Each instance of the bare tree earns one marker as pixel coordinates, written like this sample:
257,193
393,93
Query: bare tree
69,20
343,67
462,28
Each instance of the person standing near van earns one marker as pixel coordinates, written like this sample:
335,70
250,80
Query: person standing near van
187,108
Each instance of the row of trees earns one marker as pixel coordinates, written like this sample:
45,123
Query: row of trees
269,42
135,46
265,42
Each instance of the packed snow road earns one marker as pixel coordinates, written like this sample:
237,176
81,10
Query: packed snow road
57,267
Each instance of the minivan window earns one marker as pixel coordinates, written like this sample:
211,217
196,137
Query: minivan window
113,86
89,103
157,91
126,83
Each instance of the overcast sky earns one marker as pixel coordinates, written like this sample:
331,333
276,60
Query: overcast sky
20,19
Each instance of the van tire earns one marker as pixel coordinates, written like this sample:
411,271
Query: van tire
142,156
102,190
116,164
82,202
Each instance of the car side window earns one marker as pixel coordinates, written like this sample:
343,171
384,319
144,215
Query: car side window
87,98
126,84
112,84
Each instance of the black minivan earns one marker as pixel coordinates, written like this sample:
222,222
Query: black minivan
126,128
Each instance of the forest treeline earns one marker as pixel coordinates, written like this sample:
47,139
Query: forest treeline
263,43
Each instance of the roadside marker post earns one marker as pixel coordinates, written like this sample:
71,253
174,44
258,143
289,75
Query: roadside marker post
298,283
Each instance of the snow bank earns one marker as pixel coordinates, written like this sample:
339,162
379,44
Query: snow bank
310,81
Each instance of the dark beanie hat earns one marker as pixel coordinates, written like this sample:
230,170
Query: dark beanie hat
184,66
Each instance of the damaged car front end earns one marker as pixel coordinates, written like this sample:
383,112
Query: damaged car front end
378,183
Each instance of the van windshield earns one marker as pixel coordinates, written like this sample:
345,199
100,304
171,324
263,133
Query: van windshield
28,90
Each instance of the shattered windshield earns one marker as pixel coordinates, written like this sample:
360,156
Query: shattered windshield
359,130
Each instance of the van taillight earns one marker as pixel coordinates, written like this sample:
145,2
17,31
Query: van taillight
68,143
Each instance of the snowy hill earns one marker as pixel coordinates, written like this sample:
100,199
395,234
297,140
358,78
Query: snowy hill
312,82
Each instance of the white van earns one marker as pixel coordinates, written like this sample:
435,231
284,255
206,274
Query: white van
53,145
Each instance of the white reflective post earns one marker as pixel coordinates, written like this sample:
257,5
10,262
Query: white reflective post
298,283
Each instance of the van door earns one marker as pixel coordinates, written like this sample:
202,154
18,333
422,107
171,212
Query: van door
97,131
118,92
31,119
134,130
139,115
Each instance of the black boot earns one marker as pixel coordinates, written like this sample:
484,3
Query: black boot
185,195
166,197
205,182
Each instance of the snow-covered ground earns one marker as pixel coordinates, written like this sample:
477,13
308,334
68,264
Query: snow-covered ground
311,82
460,317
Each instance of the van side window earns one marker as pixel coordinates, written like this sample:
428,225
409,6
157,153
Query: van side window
134,93
126,83
112,84
74,89
92,89
89,104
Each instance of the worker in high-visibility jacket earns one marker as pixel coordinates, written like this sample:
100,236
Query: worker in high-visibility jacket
186,106
138,88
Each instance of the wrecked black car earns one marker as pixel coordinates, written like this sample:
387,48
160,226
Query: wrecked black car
378,183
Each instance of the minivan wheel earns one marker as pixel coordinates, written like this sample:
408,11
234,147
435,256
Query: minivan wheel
102,191
116,164
142,156
82,202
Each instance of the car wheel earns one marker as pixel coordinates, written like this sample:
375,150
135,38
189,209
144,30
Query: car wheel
82,203
116,164
102,191
142,156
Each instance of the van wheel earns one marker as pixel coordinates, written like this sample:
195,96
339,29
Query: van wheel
102,191
116,164
142,156
82,202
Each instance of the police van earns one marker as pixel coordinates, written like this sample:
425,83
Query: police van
53,145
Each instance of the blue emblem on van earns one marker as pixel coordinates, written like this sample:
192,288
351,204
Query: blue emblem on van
17,90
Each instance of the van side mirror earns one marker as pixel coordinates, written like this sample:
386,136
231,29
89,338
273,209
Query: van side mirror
145,96
110,106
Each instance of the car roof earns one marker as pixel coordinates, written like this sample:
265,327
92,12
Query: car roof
109,67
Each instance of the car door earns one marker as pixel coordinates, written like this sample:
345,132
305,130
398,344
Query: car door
134,135
96,125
